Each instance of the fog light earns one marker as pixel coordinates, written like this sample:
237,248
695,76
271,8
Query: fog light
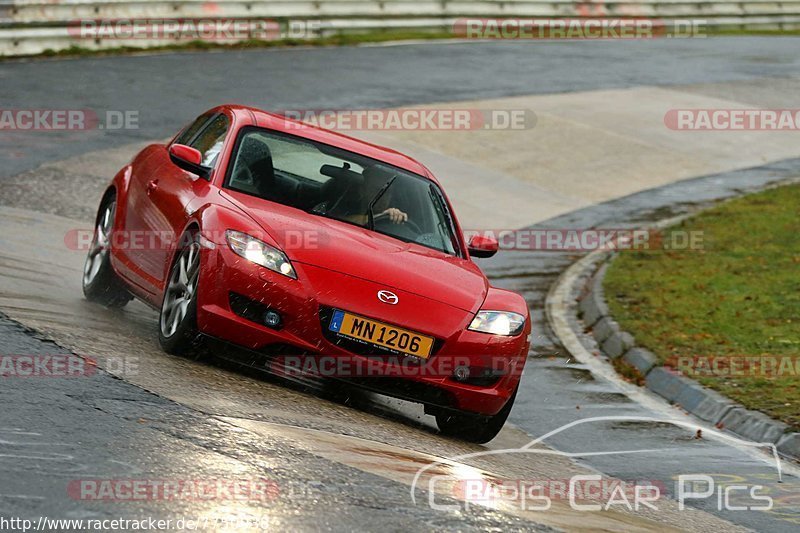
272,319
461,373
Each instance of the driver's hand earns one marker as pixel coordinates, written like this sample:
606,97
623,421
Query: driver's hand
395,215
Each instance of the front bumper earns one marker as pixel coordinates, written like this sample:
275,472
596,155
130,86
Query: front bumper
234,294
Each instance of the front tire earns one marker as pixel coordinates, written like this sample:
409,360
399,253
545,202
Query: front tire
177,331
100,282
474,428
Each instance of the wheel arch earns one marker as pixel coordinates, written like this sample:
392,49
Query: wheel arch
192,226
111,191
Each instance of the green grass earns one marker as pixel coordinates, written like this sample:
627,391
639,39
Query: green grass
737,297
713,30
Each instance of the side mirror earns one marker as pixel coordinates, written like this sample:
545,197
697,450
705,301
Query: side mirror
482,246
188,159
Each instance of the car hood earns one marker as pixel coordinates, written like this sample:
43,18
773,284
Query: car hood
356,251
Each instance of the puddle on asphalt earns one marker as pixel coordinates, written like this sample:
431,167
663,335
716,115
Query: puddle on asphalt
636,425
432,476
606,397
577,374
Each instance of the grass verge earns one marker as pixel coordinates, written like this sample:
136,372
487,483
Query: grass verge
727,315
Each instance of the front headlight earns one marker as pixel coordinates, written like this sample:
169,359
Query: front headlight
260,253
498,322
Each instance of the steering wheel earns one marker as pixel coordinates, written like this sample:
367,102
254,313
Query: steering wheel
409,228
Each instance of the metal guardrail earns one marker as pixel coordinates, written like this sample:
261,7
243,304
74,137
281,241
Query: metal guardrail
29,27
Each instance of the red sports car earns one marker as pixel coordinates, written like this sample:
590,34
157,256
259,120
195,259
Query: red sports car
300,244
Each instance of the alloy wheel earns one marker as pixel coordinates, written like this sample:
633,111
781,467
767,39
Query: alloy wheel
98,253
180,290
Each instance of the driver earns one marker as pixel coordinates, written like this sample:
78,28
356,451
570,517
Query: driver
374,179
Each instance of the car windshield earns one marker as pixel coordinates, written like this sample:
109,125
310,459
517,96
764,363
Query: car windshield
335,183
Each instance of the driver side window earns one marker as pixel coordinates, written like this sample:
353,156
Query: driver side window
188,134
209,142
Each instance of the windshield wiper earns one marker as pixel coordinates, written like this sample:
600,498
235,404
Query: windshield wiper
370,209
445,223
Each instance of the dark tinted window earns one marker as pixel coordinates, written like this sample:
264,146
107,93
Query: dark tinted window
192,129
209,142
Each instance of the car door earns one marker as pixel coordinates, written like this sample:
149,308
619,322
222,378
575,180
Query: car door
171,197
141,262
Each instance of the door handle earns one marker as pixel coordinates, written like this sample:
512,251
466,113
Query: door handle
152,185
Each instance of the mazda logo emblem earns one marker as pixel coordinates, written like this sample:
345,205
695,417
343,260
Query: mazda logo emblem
388,297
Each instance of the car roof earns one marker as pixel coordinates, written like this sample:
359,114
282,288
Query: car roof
274,121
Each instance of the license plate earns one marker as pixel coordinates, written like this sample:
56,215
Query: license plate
380,334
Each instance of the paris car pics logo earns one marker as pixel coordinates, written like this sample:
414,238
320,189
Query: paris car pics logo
450,485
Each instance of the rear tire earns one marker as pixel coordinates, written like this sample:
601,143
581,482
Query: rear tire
177,323
474,428
100,282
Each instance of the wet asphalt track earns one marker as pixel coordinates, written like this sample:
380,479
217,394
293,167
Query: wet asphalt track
391,76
